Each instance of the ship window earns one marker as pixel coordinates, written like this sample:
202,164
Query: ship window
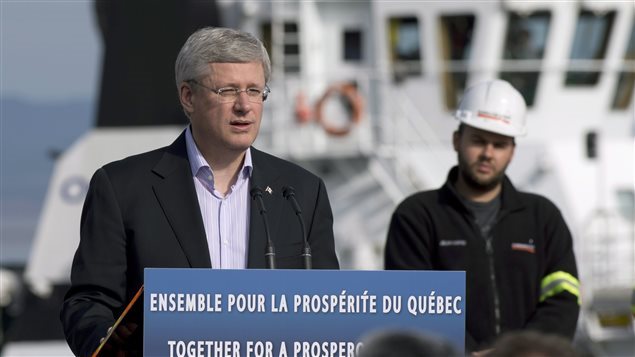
591,39
626,80
352,45
290,43
291,49
456,42
524,50
405,47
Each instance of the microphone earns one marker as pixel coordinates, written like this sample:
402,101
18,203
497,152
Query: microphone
289,193
270,254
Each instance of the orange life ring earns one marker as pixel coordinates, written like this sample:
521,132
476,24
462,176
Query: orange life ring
302,110
354,100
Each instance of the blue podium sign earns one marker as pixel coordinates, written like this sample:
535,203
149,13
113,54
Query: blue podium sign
300,313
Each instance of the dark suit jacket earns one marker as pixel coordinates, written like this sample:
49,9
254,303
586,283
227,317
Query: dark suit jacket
143,212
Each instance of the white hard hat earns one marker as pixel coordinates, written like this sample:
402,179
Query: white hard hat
494,106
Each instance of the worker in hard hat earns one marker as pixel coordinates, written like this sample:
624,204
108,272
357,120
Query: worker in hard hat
515,247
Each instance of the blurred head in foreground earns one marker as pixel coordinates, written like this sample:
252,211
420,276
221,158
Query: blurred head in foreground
405,344
532,344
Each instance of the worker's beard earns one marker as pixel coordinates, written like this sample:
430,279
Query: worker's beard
478,182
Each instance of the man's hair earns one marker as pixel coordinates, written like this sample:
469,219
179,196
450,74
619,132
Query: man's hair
403,343
218,45
532,343
461,128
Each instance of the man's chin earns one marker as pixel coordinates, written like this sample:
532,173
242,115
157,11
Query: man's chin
240,143
483,183
484,180
240,147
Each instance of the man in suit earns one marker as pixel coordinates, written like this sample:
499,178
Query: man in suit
189,204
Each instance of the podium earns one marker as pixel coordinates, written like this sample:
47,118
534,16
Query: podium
272,313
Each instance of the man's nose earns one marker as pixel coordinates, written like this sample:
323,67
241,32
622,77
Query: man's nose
242,103
488,150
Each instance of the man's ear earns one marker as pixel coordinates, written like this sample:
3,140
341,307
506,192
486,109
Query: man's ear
456,139
186,97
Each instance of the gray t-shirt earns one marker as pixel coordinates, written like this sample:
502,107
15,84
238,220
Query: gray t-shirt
485,213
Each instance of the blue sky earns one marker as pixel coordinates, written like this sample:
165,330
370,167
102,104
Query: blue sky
50,50
50,66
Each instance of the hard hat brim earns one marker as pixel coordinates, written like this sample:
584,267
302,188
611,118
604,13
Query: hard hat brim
489,123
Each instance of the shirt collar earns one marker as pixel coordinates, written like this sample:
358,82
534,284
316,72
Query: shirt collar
197,161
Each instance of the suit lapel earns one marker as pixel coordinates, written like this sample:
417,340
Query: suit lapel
177,196
265,177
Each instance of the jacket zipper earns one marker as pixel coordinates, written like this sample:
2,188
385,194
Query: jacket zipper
492,275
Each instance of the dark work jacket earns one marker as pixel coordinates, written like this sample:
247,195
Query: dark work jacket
434,230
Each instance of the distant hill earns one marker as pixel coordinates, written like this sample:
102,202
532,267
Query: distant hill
30,134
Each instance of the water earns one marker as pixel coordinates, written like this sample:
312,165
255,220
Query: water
30,135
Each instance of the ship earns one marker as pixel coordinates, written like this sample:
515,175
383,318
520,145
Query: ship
363,94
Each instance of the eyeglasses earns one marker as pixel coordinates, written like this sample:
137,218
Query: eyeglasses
230,94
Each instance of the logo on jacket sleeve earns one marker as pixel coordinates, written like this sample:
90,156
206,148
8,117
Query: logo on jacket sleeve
452,243
525,247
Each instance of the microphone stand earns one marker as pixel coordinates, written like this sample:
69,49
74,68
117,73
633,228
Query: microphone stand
289,193
270,254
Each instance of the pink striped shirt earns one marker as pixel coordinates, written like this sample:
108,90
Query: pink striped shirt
226,218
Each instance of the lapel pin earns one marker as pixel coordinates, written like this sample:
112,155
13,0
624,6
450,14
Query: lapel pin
269,190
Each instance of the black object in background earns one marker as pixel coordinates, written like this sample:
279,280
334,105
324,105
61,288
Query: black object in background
141,41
